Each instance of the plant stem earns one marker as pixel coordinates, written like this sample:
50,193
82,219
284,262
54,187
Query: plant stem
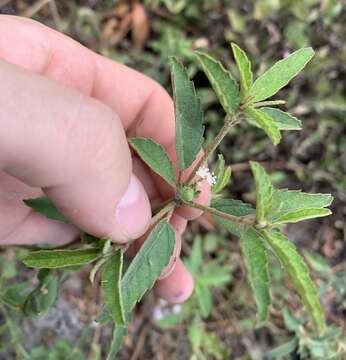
157,217
229,123
237,219
269,103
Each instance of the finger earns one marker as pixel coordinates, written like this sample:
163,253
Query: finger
177,287
150,112
35,229
75,149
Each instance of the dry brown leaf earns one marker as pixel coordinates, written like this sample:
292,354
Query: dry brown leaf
140,26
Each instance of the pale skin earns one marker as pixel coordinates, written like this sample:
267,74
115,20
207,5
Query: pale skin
66,113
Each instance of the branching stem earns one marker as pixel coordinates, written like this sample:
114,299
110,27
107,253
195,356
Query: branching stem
229,123
245,220
157,217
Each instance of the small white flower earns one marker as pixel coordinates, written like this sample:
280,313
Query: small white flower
158,314
211,178
176,309
205,173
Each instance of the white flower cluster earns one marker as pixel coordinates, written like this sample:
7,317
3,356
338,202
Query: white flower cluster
205,173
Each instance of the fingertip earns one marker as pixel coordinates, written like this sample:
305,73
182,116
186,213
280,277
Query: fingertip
133,213
177,287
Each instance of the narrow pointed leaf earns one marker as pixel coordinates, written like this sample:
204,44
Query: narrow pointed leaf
45,206
300,215
148,264
244,67
119,332
283,120
188,116
280,74
155,157
231,207
256,261
264,192
205,300
292,201
298,272
111,288
53,259
43,297
222,82
265,122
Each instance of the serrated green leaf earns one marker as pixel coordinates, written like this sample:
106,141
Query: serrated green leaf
280,74
119,332
53,259
148,264
300,215
45,206
231,207
222,82
111,279
42,298
155,157
188,116
264,192
265,122
244,67
296,268
292,201
256,261
283,120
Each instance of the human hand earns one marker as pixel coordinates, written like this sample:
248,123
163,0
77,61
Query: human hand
65,115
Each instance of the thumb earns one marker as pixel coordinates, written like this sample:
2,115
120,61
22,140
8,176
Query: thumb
75,149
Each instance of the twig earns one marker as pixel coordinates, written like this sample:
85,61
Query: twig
4,3
139,347
237,219
229,123
35,8
55,14
156,218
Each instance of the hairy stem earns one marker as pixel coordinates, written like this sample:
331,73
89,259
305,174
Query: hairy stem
245,220
157,217
229,123
269,103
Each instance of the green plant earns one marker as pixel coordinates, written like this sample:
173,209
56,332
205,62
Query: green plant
259,228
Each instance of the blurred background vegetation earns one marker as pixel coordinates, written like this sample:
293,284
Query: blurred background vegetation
219,320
